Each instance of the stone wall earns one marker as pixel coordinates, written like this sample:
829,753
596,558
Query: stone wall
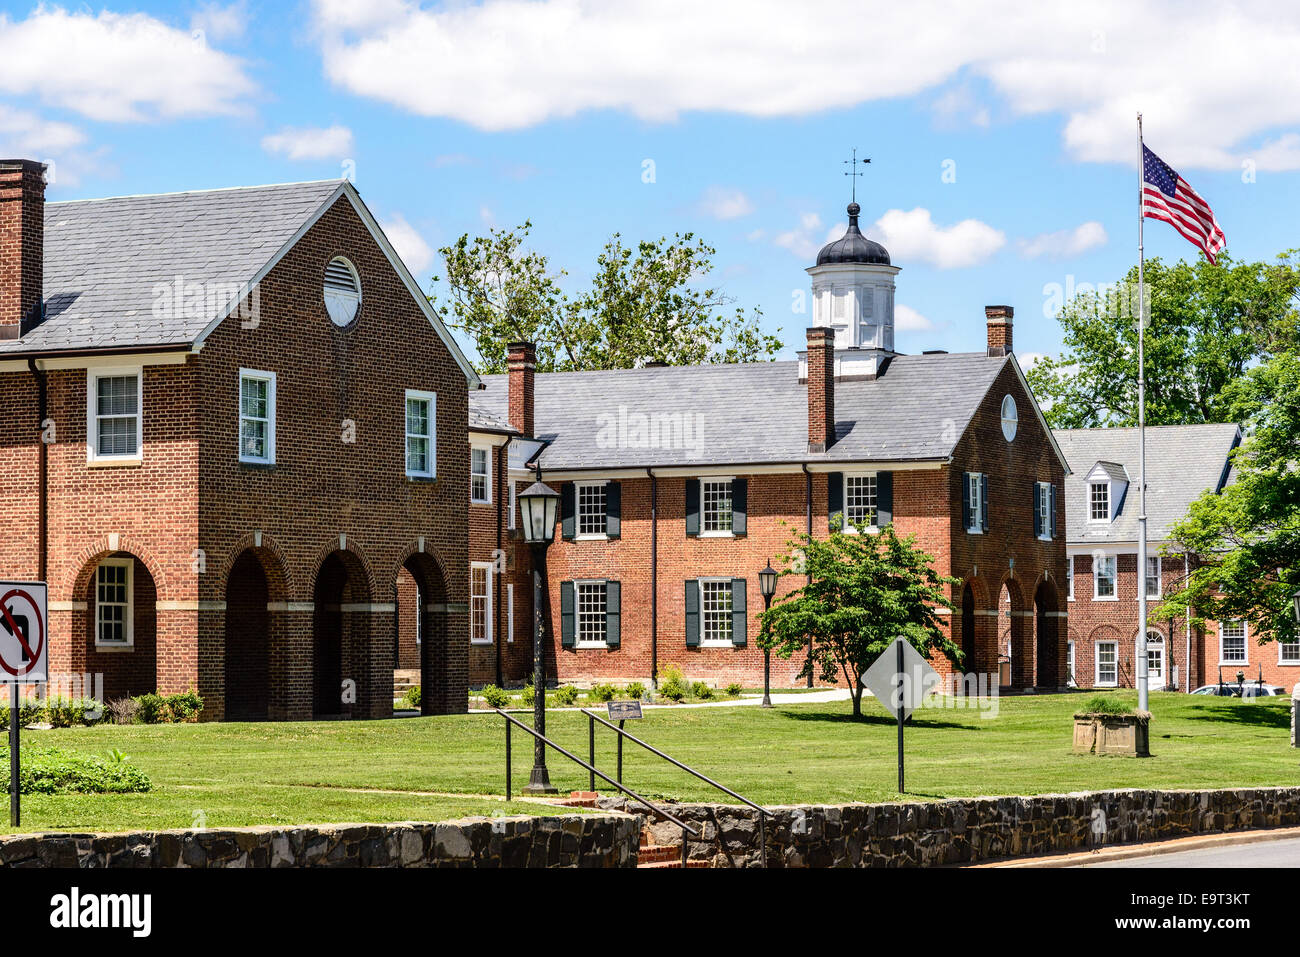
571,840
969,829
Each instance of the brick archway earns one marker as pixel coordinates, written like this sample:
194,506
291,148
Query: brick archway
114,622
255,652
341,636
1048,646
420,585
1015,635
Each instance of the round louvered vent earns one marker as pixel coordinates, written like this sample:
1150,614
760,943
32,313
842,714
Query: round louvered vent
342,291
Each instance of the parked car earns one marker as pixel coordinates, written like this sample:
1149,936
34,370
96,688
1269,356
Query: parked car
1248,690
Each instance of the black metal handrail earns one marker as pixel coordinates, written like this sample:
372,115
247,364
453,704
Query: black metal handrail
686,828
591,745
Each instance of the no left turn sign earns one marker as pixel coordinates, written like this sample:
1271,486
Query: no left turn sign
24,638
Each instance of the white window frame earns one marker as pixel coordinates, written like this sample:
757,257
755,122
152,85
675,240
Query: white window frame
578,640
486,568
128,619
972,521
705,531
1096,658
1245,643
870,526
1010,422
432,437
1109,504
269,378
511,491
1113,561
1281,657
1156,637
93,375
705,640
510,612
1070,680
1069,578
486,498
579,534
1159,586
1044,499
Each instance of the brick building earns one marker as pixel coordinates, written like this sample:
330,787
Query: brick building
234,442
679,484
1101,525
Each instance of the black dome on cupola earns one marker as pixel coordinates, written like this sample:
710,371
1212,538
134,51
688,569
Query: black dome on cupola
853,247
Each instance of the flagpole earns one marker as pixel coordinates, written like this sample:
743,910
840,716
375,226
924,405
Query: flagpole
1141,663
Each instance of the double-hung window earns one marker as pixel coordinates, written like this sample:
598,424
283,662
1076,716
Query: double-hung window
113,603
859,500
421,443
480,469
1107,664
1069,577
1288,653
256,417
975,501
1103,576
715,611
480,603
715,502
590,619
114,421
1153,576
1099,502
591,510
1232,642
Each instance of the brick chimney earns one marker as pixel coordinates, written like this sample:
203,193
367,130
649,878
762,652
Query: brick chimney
521,359
22,245
821,388
999,325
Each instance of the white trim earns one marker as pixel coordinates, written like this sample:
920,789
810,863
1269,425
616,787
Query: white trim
577,614
53,363
432,399
1045,513
1280,661
257,376
740,469
487,603
1014,418
578,534
510,611
1096,663
512,500
715,642
128,618
976,503
872,527
340,301
718,480
1114,578
1160,586
92,415
1069,577
1070,680
487,473
1110,502
494,439
1245,642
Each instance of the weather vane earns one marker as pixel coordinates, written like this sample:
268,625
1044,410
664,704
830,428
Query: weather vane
853,171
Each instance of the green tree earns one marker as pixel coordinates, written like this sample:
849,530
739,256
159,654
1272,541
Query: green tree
866,590
1207,325
1247,538
644,304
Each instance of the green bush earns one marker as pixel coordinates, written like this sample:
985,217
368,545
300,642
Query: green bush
1100,704
184,706
733,690
566,695
702,691
151,709
411,699
634,690
165,709
528,695
56,771
602,692
72,712
495,697
673,684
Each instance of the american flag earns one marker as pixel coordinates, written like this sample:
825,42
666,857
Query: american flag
1167,197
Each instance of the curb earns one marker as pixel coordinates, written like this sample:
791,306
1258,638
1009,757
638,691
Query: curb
1127,851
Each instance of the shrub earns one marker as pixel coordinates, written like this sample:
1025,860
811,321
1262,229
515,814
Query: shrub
528,695
602,692
1100,704
122,710
634,690
164,709
56,771
702,691
566,695
184,706
495,697
733,690
673,685
411,699
71,712
151,709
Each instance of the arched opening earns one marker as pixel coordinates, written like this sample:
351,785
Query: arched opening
970,658
339,635
119,628
1158,663
422,630
1048,638
248,645
1015,645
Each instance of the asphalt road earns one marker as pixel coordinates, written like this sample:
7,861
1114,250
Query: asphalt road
1285,853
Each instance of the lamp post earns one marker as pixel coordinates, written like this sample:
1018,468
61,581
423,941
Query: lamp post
1295,601
767,587
537,507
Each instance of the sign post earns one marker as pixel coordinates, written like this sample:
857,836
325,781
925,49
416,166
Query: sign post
900,679
24,658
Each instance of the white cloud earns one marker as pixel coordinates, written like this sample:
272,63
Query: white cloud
26,134
958,106
801,240
913,235
1030,359
310,143
907,319
1065,242
722,203
221,23
117,67
1226,77
410,245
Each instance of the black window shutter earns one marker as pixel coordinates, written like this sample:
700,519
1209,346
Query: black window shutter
884,498
739,505
984,501
739,619
613,509
1051,511
835,498
567,524
692,506
613,616
1038,510
566,614
692,613
965,501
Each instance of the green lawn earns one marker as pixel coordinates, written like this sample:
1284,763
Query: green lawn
301,772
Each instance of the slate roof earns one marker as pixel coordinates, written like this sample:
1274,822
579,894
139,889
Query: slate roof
104,258
480,420
1182,462
755,413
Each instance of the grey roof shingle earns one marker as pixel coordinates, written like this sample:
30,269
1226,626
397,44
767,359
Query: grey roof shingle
1182,462
106,258
483,421
748,414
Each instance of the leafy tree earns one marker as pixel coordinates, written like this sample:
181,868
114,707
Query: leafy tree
643,305
1247,538
1206,325
866,590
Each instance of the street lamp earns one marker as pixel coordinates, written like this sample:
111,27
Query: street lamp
537,507
767,587
1295,601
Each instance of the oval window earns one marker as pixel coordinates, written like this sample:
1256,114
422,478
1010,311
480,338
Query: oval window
342,291
1010,418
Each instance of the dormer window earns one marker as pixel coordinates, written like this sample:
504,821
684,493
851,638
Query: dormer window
1106,485
1099,502
342,291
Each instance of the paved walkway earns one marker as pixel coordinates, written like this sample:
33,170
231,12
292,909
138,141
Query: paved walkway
796,697
1278,847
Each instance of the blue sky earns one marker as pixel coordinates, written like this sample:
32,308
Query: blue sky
1002,143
